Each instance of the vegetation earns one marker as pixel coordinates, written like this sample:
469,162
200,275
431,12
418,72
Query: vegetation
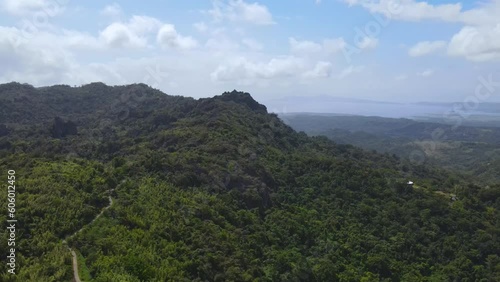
219,190
473,151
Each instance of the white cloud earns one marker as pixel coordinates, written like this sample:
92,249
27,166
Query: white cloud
38,60
426,47
36,8
368,43
169,38
132,34
328,46
221,43
477,40
304,46
410,10
239,10
320,70
476,43
119,35
426,73
80,41
144,24
245,71
485,13
113,11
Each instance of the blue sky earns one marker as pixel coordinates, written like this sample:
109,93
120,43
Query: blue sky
386,50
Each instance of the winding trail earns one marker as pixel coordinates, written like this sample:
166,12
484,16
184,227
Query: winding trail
76,274
75,266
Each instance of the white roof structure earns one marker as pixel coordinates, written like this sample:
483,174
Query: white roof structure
410,182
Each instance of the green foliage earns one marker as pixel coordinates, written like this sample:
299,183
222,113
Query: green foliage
472,149
219,190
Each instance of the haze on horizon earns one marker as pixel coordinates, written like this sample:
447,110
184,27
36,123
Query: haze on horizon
400,51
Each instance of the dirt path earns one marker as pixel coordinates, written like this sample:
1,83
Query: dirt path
76,274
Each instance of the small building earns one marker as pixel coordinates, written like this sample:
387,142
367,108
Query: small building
453,197
410,183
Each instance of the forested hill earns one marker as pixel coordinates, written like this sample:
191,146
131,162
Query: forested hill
217,189
469,150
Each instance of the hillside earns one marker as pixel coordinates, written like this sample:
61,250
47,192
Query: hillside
473,151
218,189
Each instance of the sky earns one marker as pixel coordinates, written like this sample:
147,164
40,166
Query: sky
382,50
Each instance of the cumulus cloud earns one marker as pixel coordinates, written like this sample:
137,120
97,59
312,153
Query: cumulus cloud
144,24
304,46
477,40
410,10
52,56
320,70
169,38
239,10
37,60
368,43
120,35
77,40
485,13
38,8
132,34
244,70
476,43
328,46
426,47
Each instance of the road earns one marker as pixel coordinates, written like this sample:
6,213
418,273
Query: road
76,274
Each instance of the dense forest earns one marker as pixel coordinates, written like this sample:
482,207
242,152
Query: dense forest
473,150
218,189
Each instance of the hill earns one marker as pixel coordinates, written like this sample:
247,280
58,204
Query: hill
473,151
217,189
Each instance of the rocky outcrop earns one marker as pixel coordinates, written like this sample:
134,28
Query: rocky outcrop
242,98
